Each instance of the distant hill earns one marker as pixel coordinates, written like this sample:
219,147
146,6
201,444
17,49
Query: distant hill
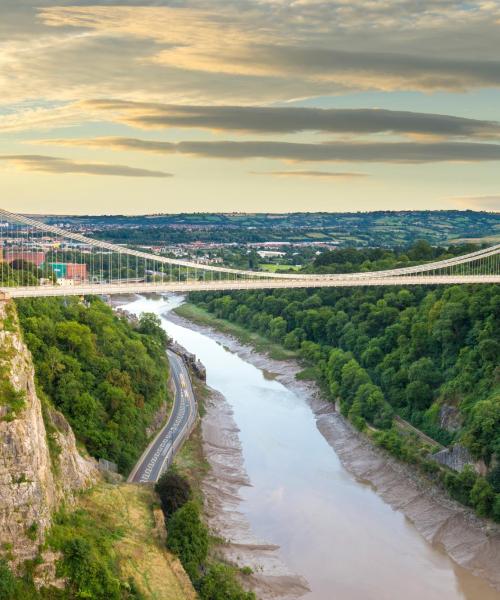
381,228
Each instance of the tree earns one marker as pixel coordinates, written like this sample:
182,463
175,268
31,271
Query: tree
188,538
418,395
352,377
277,328
174,491
482,497
421,250
483,432
460,484
107,376
150,324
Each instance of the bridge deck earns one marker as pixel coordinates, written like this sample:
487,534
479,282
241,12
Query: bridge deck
251,284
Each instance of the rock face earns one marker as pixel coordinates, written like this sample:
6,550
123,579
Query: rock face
450,418
457,457
37,472
190,359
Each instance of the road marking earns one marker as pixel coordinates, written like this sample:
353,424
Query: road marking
183,408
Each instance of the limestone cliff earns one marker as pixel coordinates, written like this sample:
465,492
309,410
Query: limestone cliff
40,465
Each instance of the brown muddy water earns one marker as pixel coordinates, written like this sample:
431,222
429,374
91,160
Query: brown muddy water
281,494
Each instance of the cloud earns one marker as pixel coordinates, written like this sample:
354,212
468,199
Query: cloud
252,51
388,152
476,202
114,143
382,152
311,174
51,164
262,119
372,69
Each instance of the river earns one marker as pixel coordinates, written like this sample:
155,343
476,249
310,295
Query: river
332,529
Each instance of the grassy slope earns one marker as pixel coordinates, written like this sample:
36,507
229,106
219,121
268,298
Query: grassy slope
259,342
140,549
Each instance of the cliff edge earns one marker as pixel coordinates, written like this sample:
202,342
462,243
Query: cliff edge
40,466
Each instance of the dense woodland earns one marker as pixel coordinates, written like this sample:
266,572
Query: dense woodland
420,353
106,376
352,260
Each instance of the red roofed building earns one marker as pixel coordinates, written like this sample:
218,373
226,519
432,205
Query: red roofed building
76,272
36,258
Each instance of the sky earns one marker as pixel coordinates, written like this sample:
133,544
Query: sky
161,106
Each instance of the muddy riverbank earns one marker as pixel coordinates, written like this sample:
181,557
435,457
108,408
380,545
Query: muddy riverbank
307,502
473,544
221,489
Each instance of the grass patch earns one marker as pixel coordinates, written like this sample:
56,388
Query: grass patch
116,538
192,464
272,267
258,342
308,374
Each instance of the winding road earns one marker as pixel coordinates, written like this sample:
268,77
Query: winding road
161,450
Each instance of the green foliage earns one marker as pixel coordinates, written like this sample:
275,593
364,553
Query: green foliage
494,477
381,228
421,347
89,563
32,531
105,376
11,588
14,399
385,351
482,497
188,538
220,583
392,441
174,491
496,508
460,485
350,260
483,430
19,272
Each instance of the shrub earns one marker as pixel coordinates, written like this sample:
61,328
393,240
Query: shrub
14,399
188,538
482,497
220,583
460,485
174,491
8,585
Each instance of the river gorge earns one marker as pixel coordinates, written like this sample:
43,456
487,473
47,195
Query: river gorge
280,492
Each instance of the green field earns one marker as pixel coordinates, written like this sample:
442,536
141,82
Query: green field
272,268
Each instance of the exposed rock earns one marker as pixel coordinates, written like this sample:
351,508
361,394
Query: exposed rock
450,418
190,359
158,419
45,574
36,474
457,457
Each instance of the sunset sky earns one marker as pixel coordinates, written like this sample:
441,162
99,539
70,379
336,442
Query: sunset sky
249,105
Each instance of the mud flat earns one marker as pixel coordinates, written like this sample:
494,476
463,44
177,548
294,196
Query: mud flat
473,544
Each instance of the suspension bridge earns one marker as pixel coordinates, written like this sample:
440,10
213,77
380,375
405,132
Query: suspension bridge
40,260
